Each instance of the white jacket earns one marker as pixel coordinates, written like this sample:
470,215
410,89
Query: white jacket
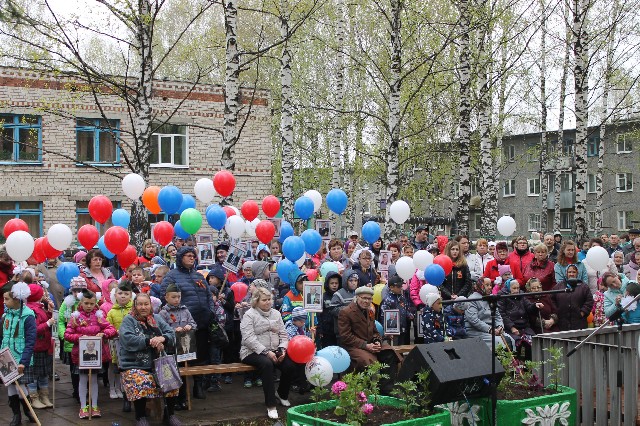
477,263
262,331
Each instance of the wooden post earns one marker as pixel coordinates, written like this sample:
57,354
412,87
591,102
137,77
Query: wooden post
24,397
89,400
188,384
53,374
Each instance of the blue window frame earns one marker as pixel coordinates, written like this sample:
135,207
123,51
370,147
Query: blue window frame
84,218
593,146
29,211
97,141
21,138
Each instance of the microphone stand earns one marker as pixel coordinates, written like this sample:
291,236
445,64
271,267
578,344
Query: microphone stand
493,299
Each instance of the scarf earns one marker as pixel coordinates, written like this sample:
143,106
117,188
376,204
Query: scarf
149,320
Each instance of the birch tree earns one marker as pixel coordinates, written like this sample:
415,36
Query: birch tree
544,144
286,114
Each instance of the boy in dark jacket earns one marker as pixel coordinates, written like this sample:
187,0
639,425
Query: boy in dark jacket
454,319
325,320
432,322
396,299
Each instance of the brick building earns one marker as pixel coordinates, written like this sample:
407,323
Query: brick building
48,125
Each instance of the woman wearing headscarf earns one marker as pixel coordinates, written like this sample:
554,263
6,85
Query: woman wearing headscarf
477,317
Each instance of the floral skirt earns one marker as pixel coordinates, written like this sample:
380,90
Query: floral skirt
140,384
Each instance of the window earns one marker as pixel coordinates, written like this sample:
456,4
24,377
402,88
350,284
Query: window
476,221
29,211
552,184
509,189
623,144
625,182
566,182
566,221
169,146
624,220
510,153
534,221
97,141
21,139
567,147
475,187
533,187
533,153
591,183
84,218
162,216
591,221
593,147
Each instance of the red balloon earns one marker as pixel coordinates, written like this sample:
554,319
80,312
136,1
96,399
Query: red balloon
270,205
100,208
301,349
224,183
249,210
116,239
229,211
127,257
163,232
444,261
38,253
88,236
48,250
312,274
265,230
239,291
14,225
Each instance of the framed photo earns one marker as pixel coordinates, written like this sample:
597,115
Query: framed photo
324,229
277,258
418,318
204,238
276,224
312,296
90,352
234,258
384,260
274,279
205,254
354,258
392,321
384,276
185,346
8,367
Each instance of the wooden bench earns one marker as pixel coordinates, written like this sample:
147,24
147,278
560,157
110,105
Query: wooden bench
197,370
402,350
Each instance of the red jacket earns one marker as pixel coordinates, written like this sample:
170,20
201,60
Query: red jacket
43,330
542,271
491,270
518,263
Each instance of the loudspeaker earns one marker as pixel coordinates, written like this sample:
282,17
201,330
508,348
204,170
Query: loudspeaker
459,369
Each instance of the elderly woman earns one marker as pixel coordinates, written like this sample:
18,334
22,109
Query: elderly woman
515,312
264,345
541,268
95,273
143,335
477,317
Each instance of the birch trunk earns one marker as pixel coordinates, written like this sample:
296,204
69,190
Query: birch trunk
337,170
544,145
502,102
232,86
286,116
489,196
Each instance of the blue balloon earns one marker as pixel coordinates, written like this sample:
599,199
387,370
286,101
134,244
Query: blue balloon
293,248
379,328
180,232
66,271
327,267
303,207
103,249
121,217
434,274
216,217
188,202
337,201
312,241
170,199
283,268
337,357
371,231
286,230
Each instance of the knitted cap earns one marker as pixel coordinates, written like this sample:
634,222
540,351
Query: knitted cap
260,283
79,256
503,269
431,298
298,313
77,283
258,268
36,293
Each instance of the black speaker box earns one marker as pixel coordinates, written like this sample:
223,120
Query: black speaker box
459,369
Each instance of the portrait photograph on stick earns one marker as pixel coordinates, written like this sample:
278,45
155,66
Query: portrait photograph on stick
8,367
312,296
391,322
90,352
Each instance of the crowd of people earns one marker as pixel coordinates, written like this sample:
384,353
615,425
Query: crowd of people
138,312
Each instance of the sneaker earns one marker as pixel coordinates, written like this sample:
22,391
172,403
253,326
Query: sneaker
258,383
215,387
113,394
228,380
272,413
283,402
248,383
95,412
84,413
119,393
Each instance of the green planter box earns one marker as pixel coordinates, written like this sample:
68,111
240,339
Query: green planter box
303,415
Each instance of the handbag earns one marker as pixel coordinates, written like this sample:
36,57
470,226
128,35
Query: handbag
217,335
166,373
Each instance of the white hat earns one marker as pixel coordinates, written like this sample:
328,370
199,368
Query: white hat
431,298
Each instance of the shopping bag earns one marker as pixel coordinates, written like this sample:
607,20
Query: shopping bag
166,372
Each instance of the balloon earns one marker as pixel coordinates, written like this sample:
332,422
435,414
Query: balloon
303,207
420,274
224,183
316,197
318,371
216,217
163,232
371,231
179,231
204,190
66,271
405,268
399,211
312,274
169,199
103,248
327,267
506,226
239,291
100,208
235,226
13,225
444,261
597,258
379,328
49,252
286,230
250,210
265,230
128,256
191,220
121,217
116,239
250,228
229,211
270,205
434,274
426,289
38,254
133,186
312,241
337,357
301,349
377,293
293,248
337,201
422,259
150,199
20,245
60,236
188,202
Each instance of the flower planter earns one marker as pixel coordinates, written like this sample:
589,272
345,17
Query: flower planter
303,415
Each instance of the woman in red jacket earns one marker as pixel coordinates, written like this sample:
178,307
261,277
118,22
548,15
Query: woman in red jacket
500,258
519,258
541,268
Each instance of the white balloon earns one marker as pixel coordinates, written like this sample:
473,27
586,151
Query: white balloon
235,210
300,261
318,371
426,289
422,259
250,228
405,267
60,236
235,226
204,190
420,274
399,212
506,226
597,257
133,186
316,197
20,245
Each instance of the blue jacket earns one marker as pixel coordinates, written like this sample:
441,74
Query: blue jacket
399,302
196,295
432,326
454,323
632,317
135,351
561,273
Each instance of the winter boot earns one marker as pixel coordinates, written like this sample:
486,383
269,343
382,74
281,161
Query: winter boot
27,413
35,400
14,403
44,397
198,392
